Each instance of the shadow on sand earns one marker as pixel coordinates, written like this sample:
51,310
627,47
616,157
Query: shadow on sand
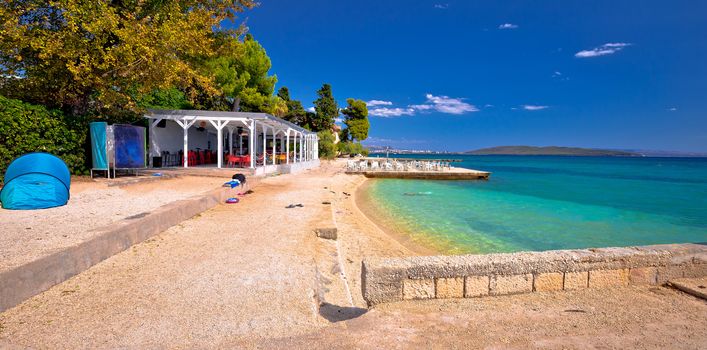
335,313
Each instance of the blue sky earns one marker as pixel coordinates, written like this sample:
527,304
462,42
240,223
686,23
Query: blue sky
460,75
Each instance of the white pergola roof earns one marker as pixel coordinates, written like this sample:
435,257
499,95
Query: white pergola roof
219,120
271,121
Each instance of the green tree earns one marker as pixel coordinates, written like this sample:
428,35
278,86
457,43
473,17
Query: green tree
356,119
92,56
325,108
278,108
170,98
240,70
295,112
28,128
327,148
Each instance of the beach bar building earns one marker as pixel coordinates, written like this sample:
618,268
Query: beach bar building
259,141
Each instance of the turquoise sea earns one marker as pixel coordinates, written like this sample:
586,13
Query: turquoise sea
547,202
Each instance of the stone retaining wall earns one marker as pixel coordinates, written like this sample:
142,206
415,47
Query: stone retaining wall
467,276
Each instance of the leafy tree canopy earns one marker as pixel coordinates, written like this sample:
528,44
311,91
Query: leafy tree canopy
326,109
295,112
93,56
327,148
240,70
356,119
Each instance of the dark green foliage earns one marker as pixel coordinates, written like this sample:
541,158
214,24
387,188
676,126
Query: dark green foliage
171,98
240,70
295,112
327,148
26,128
326,109
356,119
351,148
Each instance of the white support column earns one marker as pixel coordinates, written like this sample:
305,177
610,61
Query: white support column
185,124
295,144
301,147
298,150
219,124
274,144
251,143
230,141
287,144
265,144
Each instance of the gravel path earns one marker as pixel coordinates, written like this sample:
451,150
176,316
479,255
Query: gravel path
31,234
242,270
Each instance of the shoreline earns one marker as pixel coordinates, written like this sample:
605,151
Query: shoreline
387,224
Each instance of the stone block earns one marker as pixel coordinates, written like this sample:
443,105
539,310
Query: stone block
546,282
576,280
671,272
327,233
418,289
476,286
695,271
450,287
608,278
643,275
512,284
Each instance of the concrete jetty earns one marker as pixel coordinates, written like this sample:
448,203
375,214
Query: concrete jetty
447,174
411,168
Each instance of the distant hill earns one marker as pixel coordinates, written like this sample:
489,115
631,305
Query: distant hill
550,151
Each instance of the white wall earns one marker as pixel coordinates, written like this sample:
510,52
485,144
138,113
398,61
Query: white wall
171,138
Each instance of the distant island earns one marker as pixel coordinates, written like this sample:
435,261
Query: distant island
550,151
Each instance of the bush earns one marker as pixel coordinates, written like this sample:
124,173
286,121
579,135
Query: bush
327,148
26,128
351,148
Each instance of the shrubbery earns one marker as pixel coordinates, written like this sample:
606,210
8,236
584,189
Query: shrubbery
352,148
327,148
26,128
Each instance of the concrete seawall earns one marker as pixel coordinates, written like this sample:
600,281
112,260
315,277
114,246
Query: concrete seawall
467,276
28,280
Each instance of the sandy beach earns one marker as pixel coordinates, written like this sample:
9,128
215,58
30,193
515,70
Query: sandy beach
255,275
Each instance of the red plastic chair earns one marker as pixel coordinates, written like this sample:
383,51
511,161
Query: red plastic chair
192,158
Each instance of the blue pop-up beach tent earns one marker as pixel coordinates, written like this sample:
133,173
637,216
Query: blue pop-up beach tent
36,181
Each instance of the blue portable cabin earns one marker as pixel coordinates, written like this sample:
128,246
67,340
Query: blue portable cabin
36,181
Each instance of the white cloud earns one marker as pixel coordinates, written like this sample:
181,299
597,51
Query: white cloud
446,104
558,76
672,109
310,109
508,26
488,105
386,112
442,6
534,107
606,49
441,104
373,103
